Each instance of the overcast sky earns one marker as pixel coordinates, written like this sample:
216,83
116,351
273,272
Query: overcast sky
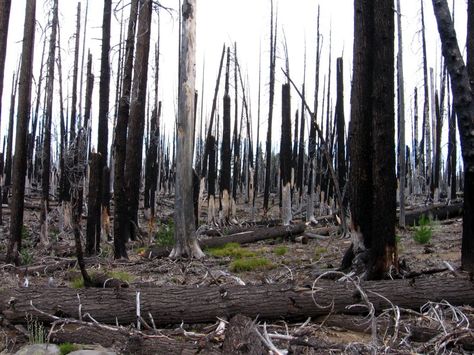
245,22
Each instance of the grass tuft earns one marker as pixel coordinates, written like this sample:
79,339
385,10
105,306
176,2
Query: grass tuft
250,264
233,250
280,250
165,235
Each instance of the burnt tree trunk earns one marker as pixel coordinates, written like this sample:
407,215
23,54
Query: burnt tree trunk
285,154
464,106
19,161
9,156
46,157
121,222
73,118
340,122
372,151
93,206
226,151
133,154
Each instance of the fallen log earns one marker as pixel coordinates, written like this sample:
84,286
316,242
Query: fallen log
250,236
438,212
241,337
173,305
128,341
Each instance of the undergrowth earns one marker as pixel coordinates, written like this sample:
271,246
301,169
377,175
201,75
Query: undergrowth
250,264
424,230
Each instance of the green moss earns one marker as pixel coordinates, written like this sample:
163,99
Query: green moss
280,250
66,348
233,250
250,264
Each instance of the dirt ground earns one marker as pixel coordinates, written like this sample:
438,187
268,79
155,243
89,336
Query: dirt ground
287,261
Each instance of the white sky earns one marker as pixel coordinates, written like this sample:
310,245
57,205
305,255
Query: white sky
247,23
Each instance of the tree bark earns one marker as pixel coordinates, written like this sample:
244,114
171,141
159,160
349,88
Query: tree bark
19,162
72,125
340,123
121,221
285,154
133,159
185,239
190,304
464,107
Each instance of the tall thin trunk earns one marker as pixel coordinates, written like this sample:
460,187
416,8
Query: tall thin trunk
226,150
285,154
425,148
73,119
185,237
9,156
268,145
401,118
133,159
4,22
121,223
340,122
46,157
19,161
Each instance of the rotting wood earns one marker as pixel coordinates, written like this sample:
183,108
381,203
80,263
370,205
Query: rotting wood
191,304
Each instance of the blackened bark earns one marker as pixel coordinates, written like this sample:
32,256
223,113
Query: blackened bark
121,222
93,206
4,22
19,161
464,106
437,155
133,159
372,150
72,125
285,153
9,156
340,122
226,150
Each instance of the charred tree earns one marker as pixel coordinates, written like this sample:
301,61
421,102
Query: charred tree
268,145
401,118
9,156
46,157
136,127
19,161
226,150
340,122
285,154
73,119
121,221
372,149
185,238
462,86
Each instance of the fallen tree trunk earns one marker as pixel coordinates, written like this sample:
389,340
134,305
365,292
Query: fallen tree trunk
438,212
250,236
128,341
173,305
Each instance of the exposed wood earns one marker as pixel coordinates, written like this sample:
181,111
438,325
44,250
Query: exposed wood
190,304
241,337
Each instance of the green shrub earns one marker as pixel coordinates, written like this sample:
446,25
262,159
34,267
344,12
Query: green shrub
250,264
165,235
280,250
26,256
424,230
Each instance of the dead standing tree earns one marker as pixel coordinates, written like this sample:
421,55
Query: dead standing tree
46,158
93,218
226,150
133,159
121,222
185,237
371,134
463,101
19,162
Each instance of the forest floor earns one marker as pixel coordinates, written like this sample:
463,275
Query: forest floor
280,260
